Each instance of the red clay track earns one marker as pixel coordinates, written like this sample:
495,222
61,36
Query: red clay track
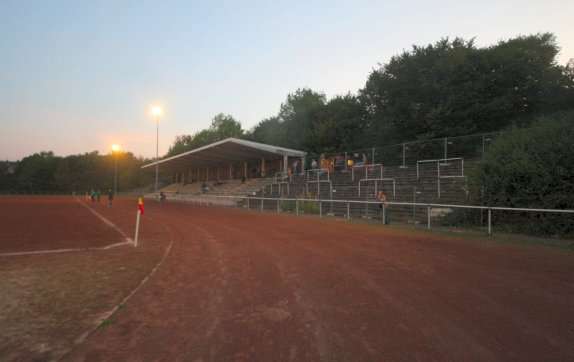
244,286
47,223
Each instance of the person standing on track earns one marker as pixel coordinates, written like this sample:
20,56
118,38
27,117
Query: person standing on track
110,197
383,206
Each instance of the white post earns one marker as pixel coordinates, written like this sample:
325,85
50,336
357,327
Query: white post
428,217
137,229
384,218
285,164
489,221
438,178
297,207
320,209
348,211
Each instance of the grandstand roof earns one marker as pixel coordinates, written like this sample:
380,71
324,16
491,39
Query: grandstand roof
226,151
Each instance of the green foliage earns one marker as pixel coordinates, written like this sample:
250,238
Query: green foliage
222,126
46,173
532,168
453,88
309,207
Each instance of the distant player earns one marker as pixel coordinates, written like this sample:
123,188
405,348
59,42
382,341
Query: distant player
382,197
110,197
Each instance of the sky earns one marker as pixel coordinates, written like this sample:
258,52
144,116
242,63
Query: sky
78,76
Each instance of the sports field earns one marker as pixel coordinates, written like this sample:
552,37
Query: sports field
228,284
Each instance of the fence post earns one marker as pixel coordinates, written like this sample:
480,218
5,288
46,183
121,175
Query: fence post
248,203
384,215
262,205
429,217
297,207
348,211
489,221
320,209
278,206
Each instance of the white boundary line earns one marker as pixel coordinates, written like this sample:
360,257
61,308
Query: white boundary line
105,221
128,240
58,251
106,315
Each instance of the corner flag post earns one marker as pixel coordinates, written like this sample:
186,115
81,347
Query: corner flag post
139,213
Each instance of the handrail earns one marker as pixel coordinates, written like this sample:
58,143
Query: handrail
477,207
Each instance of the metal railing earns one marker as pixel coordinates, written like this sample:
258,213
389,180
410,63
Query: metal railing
472,147
253,202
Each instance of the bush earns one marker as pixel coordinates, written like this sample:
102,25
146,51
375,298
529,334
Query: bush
531,168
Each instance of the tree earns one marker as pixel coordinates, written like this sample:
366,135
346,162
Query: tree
298,115
452,88
222,126
35,173
532,168
340,126
269,131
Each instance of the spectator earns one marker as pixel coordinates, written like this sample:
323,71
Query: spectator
382,197
110,197
295,166
314,164
162,197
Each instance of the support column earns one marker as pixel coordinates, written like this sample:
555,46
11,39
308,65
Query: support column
245,169
303,165
262,167
207,174
230,172
285,164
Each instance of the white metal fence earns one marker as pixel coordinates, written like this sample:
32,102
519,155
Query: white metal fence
417,213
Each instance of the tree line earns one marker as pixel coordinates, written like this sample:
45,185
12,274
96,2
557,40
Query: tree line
449,88
45,172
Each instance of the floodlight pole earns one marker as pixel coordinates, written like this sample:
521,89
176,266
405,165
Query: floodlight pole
156,152
115,173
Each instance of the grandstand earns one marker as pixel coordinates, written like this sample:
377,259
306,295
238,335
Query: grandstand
228,167
234,167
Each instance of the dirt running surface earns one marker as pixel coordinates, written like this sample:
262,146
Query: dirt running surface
248,286
48,223
245,286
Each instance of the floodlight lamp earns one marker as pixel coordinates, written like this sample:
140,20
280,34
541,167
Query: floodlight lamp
156,111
